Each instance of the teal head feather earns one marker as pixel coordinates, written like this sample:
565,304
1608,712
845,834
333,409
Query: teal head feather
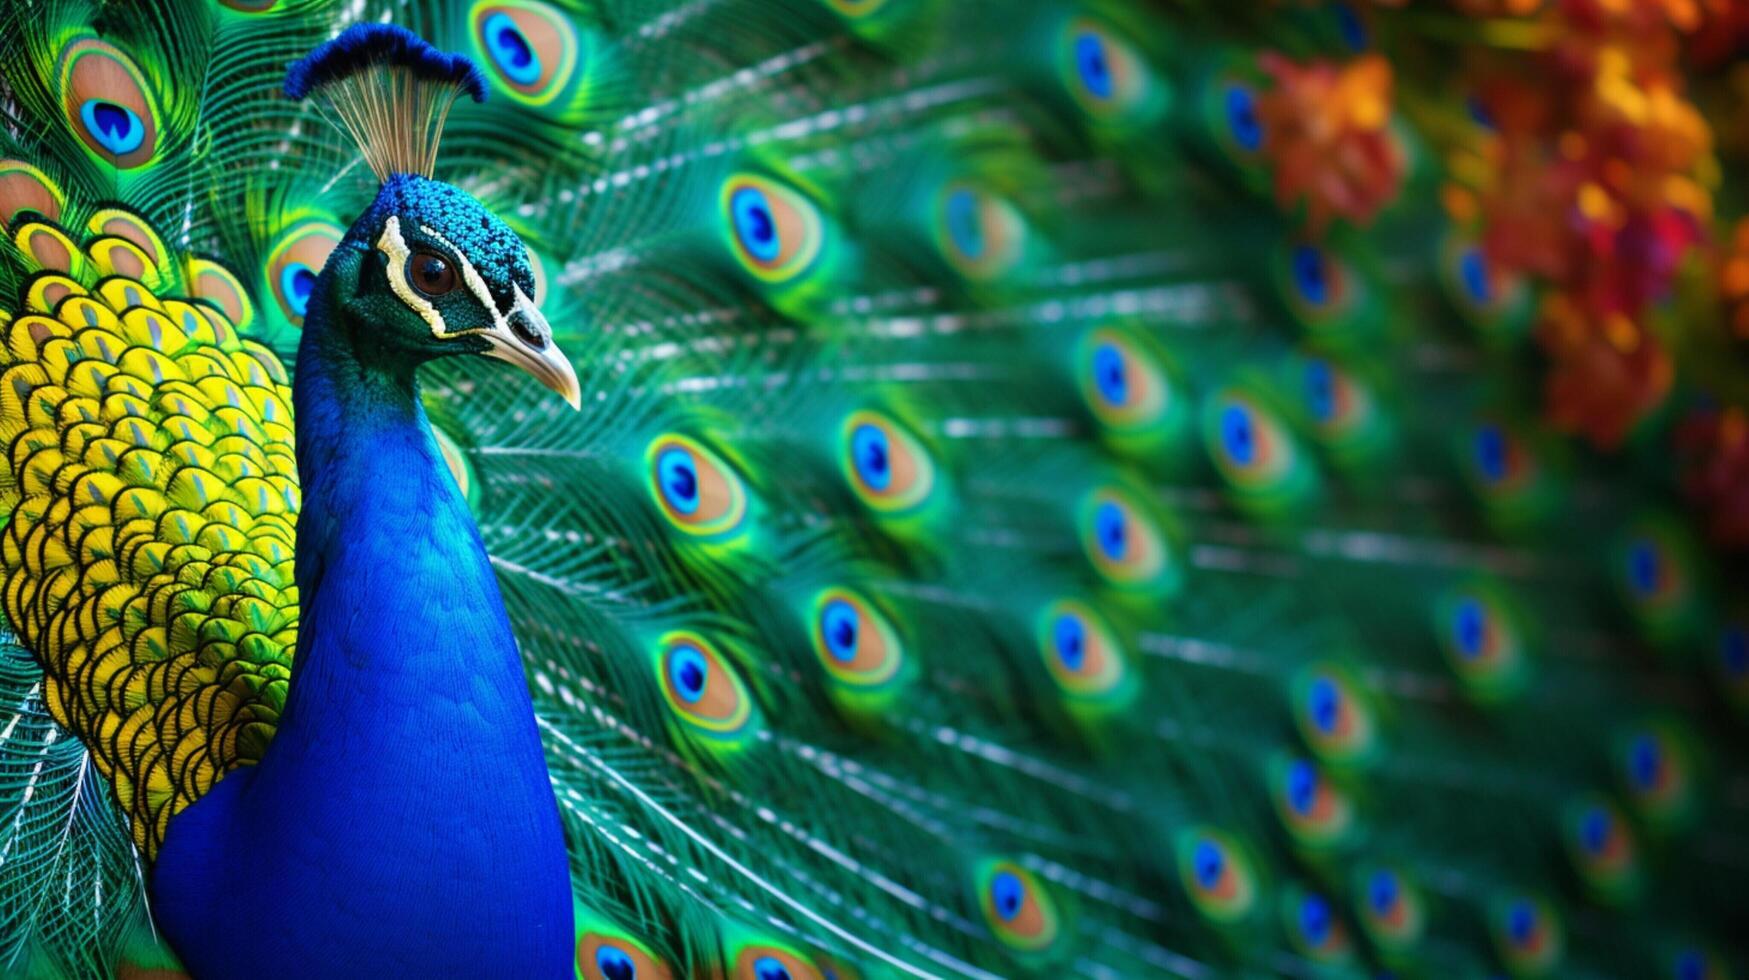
427,270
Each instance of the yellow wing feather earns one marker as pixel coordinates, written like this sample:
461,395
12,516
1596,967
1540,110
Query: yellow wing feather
150,495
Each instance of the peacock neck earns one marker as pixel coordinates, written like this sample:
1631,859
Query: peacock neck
403,812
396,591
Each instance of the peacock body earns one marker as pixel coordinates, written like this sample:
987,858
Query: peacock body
1035,505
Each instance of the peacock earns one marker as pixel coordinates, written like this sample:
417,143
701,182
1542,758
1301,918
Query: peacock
830,489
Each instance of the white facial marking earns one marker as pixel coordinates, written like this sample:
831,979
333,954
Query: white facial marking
395,247
525,305
476,285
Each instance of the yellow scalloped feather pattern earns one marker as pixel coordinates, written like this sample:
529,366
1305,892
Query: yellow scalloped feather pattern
150,492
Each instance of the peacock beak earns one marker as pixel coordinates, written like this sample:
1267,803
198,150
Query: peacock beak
525,340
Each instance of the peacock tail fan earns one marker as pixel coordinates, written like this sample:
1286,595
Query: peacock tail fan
998,537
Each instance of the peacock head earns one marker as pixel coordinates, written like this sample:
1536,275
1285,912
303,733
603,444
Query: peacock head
427,271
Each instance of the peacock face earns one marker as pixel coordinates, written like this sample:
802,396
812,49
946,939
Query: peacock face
443,275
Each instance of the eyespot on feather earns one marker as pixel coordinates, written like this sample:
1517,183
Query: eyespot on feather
1217,874
1658,575
1338,406
602,956
1334,718
1483,638
767,961
1314,809
532,49
1499,462
702,690
1390,908
1083,656
980,234
1314,926
1123,542
1526,932
1240,130
108,103
1494,301
294,263
1656,762
774,232
698,493
1600,845
853,641
1248,443
1317,286
1017,907
1692,962
1102,71
1122,382
887,468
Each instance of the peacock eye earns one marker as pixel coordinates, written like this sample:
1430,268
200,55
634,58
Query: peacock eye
432,274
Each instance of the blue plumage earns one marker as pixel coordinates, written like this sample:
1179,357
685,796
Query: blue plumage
363,46
402,823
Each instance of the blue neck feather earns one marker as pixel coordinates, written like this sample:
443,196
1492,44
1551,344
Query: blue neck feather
402,822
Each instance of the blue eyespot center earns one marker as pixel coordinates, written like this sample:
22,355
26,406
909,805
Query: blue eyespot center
1479,113
1645,567
770,968
1491,453
963,224
296,282
687,672
1320,390
1690,965
872,455
1594,828
1093,65
1645,761
1473,270
838,624
511,51
1470,628
1520,922
1070,638
1315,919
1325,702
1242,121
1302,786
1311,277
1734,652
115,127
1110,527
1351,27
614,964
1238,436
1207,863
1109,377
754,224
1382,892
677,475
1007,894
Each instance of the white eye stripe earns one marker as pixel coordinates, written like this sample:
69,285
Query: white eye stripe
395,247
476,284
